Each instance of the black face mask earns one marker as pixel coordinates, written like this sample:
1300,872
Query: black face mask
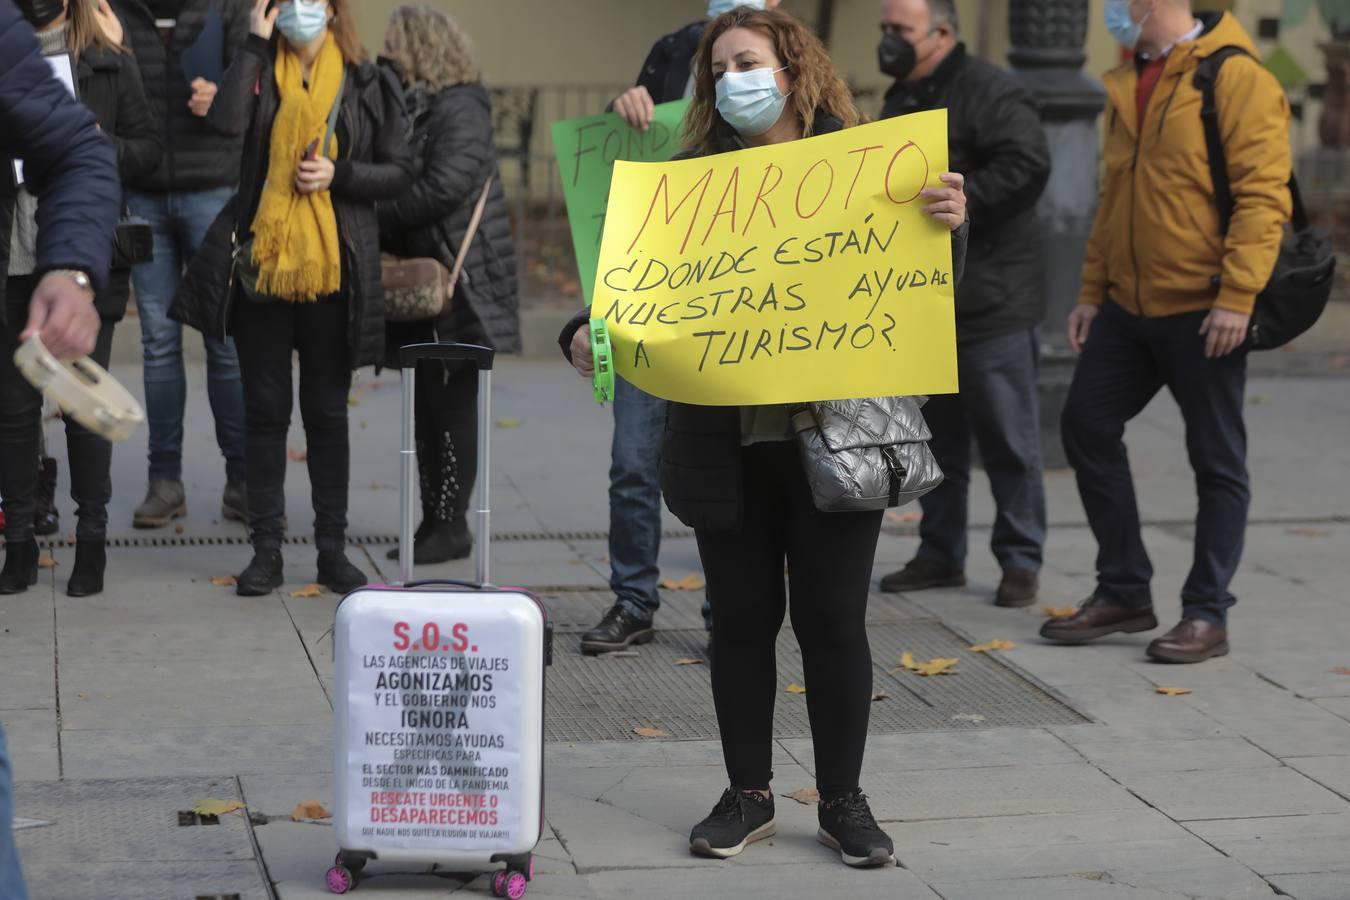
41,13
896,56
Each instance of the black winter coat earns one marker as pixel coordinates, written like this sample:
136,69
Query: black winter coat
110,86
701,447
454,153
68,163
196,156
666,72
373,164
997,142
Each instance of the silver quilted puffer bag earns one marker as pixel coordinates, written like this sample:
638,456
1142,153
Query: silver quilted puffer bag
869,453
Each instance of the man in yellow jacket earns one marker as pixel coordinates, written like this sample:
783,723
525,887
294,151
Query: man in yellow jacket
1166,300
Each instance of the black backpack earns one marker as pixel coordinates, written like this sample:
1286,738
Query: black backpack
1300,285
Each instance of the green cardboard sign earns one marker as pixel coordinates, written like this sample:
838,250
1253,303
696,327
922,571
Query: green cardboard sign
586,150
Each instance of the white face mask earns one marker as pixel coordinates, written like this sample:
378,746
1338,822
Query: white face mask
750,101
717,7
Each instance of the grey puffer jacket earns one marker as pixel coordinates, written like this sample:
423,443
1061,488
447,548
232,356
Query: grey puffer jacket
373,164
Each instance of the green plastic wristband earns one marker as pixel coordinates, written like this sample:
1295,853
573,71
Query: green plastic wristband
602,382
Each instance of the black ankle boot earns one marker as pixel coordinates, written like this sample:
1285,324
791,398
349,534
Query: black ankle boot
21,567
337,573
91,558
420,535
443,541
262,576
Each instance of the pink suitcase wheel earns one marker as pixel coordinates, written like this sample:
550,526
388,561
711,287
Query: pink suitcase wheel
516,884
339,880
499,883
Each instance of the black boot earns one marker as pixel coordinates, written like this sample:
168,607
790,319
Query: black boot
419,535
46,520
21,567
441,542
263,574
337,573
86,579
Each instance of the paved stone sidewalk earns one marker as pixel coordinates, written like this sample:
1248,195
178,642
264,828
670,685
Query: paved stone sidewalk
126,709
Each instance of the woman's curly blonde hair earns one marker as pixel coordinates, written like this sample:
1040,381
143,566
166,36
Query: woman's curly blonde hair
816,87
430,48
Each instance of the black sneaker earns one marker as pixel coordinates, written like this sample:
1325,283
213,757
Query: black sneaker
739,818
846,825
616,631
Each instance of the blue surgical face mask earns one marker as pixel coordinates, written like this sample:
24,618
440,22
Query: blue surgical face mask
1122,25
717,7
750,101
301,21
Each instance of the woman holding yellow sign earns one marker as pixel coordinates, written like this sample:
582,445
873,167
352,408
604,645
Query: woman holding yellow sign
737,476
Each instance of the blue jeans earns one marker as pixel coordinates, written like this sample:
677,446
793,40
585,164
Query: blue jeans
180,221
11,876
635,498
1126,361
999,407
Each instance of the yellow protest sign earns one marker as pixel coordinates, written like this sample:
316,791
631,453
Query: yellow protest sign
783,274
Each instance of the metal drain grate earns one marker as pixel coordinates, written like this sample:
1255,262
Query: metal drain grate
121,840
363,540
604,698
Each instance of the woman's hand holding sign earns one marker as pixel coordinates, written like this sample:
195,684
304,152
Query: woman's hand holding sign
948,204
583,360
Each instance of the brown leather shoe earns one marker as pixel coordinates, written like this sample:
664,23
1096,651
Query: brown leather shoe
1192,641
1096,618
1017,589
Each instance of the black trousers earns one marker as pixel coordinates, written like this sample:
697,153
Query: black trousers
446,429
1126,361
829,568
21,435
266,335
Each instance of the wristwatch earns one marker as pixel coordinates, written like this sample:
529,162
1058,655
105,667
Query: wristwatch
80,278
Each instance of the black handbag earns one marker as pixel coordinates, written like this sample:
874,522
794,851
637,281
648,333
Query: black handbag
133,242
1300,285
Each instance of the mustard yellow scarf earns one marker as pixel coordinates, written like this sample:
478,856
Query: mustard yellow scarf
295,236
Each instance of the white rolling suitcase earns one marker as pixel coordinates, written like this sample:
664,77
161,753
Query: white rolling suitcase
440,700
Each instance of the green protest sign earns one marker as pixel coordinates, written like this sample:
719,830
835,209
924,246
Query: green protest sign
586,150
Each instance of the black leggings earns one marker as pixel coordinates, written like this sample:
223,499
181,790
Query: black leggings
447,438
829,561
21,432
266,335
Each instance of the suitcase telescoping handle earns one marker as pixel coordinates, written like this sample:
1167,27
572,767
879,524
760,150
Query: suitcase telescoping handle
482,358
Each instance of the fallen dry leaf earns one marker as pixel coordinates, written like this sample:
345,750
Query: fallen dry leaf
993,645
806,796
880,695
795,688
650,732
1059,612
507,423
46,561
1341,670
687,583
689,662
309,809
1173,692
210,806
295,455
180,528
1308,532
224,581
931,667
902,518
937,667
309,590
